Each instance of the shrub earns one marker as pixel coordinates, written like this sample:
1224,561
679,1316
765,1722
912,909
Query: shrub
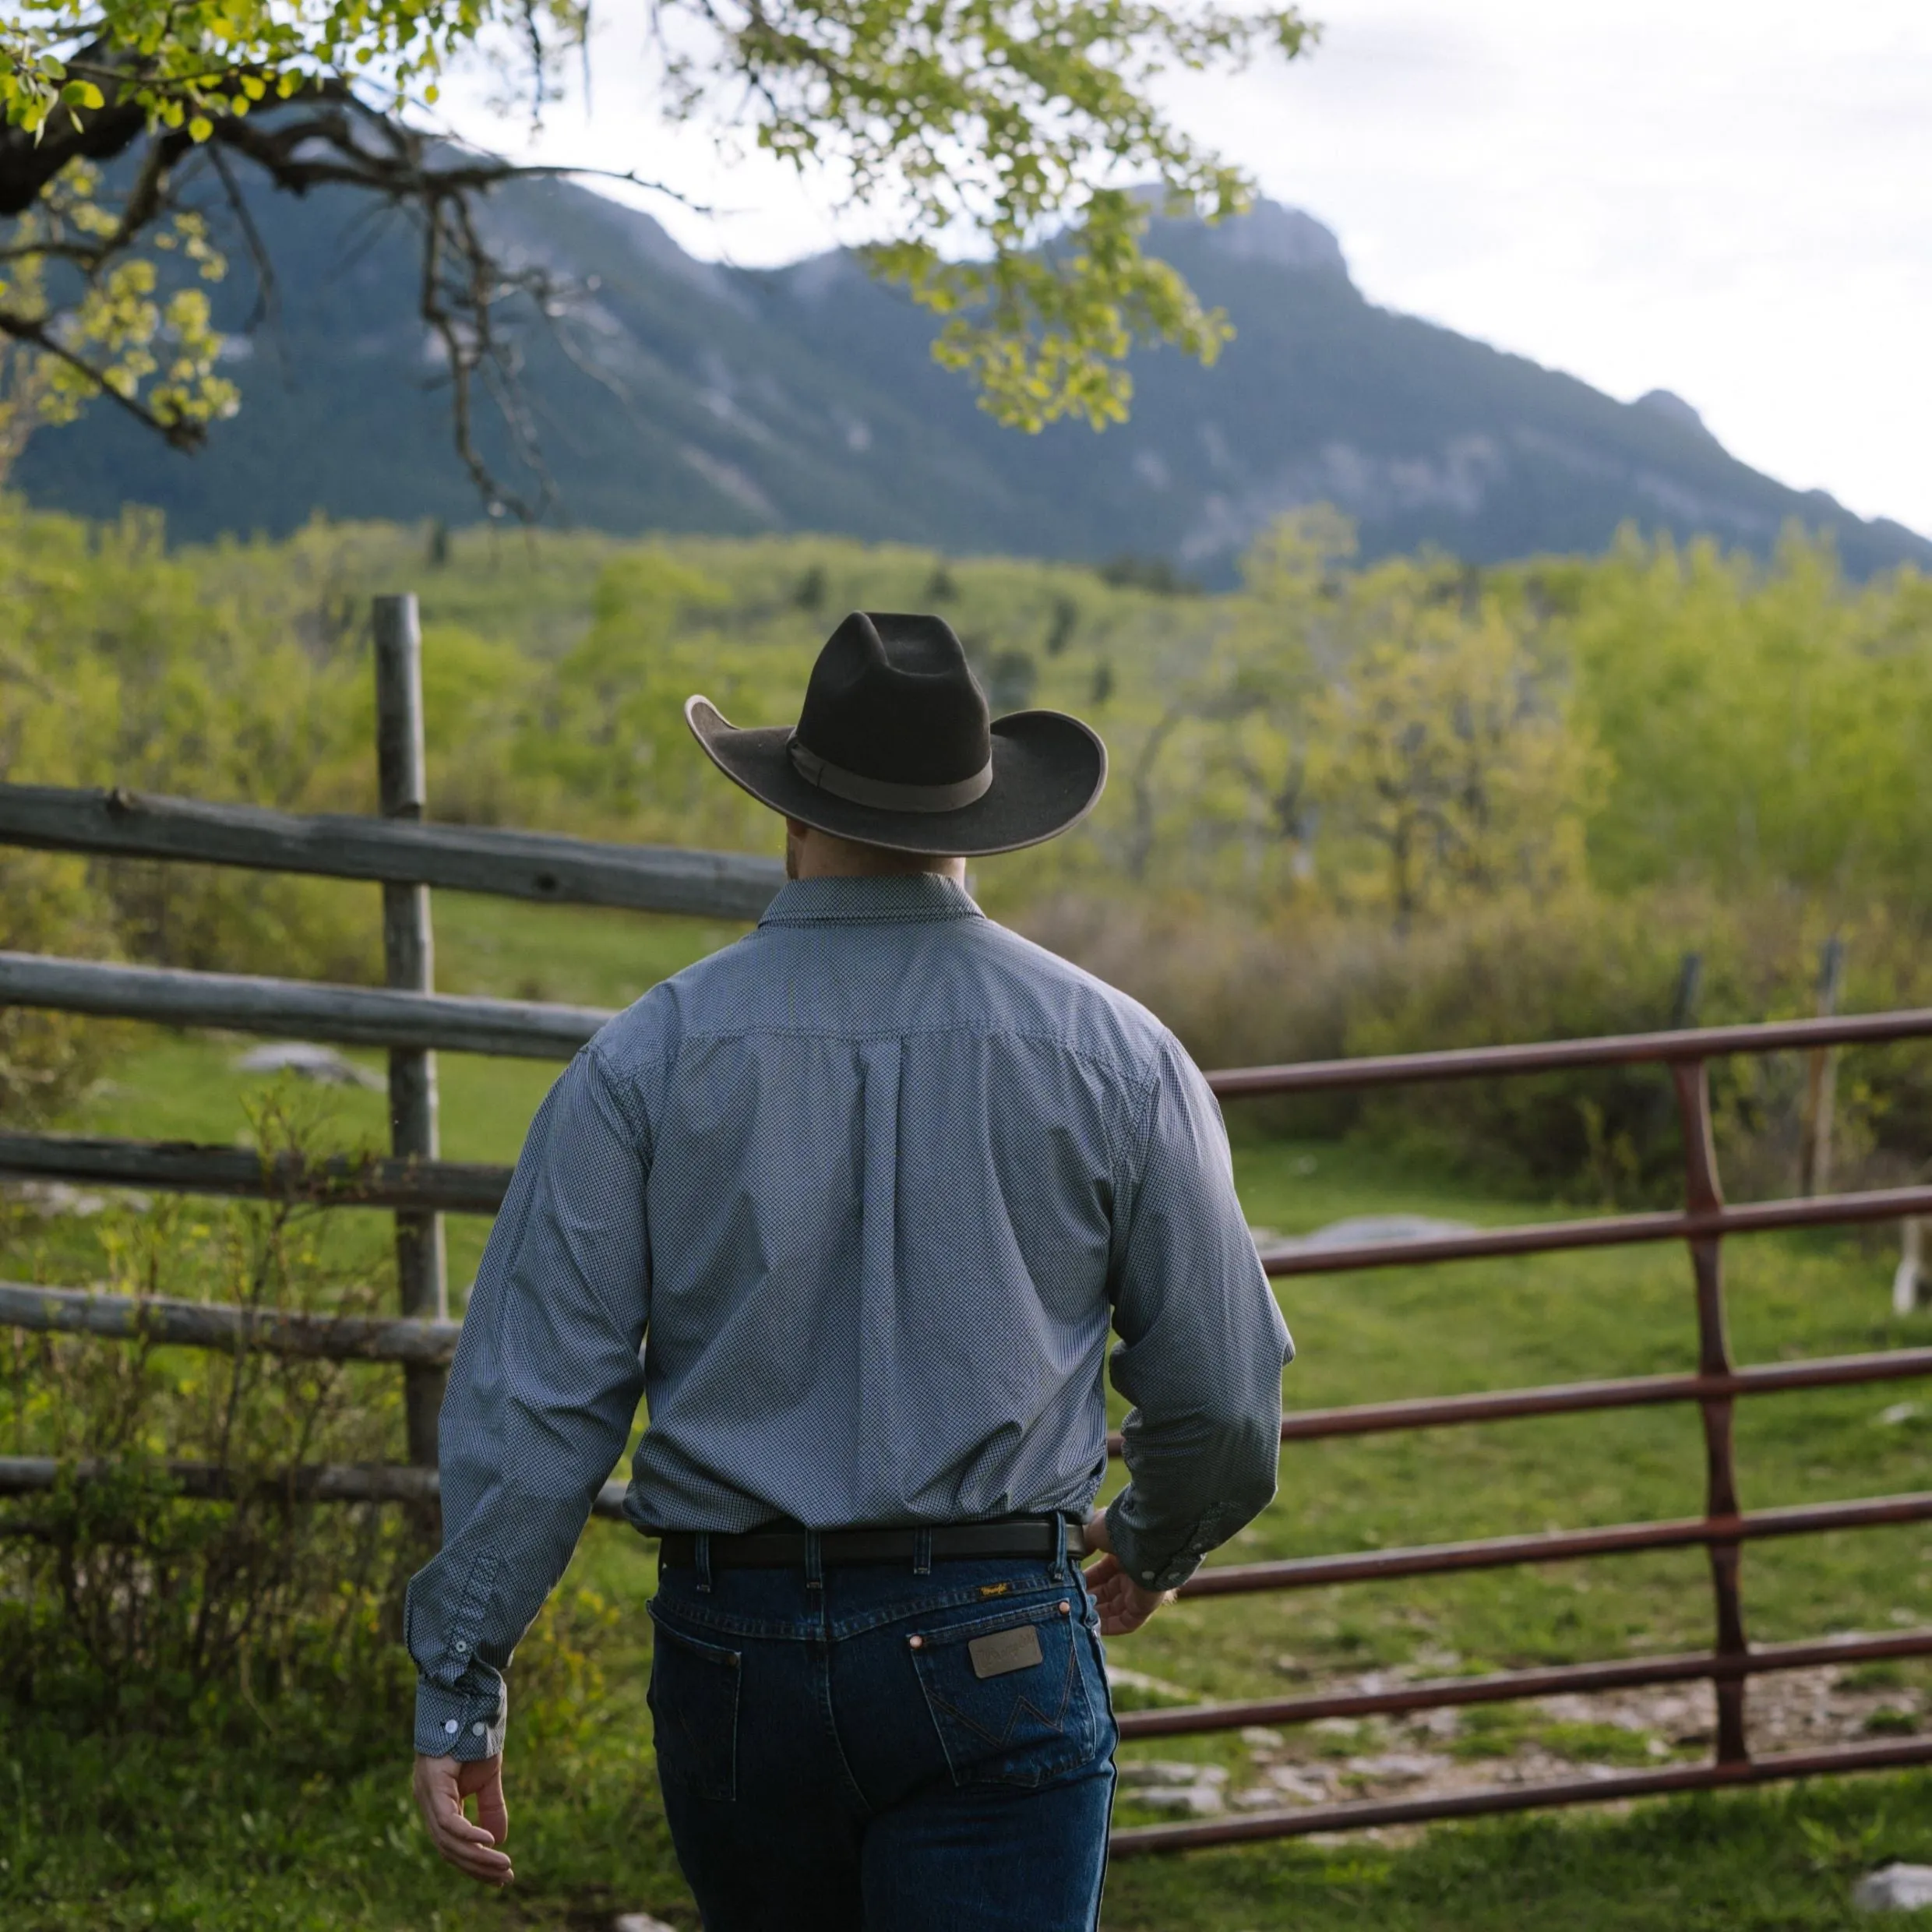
46,1058
141,1601
1243,992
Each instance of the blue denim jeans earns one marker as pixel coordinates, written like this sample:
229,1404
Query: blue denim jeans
885,1748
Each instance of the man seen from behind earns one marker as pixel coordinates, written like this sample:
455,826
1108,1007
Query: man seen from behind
856,1202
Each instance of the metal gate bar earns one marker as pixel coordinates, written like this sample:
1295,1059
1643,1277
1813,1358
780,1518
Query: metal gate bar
1610,1787
1506,1686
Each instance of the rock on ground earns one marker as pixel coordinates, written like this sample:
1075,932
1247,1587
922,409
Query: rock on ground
320,1063
1896,1888
50,1198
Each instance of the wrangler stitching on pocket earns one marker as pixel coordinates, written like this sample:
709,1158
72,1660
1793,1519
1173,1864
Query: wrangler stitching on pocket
1054,1720
1019,1727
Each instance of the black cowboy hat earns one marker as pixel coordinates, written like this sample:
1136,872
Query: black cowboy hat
895,747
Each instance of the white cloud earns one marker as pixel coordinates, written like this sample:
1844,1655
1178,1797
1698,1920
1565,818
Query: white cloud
1724,198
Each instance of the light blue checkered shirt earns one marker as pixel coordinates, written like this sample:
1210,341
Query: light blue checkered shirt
867,1190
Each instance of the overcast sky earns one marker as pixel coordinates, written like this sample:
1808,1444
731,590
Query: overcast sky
1729,199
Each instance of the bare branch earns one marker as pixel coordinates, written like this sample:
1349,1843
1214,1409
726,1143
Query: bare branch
266,302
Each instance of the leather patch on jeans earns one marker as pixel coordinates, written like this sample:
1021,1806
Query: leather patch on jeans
1005,1650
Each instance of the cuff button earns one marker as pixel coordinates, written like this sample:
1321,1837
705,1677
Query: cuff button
450,1727
477,1728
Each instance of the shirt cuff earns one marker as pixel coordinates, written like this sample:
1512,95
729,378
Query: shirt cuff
454,1724
1141,1563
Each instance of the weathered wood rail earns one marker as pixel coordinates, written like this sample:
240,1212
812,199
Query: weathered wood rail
462,1187
224,1326
534,865
311,1482
346,1016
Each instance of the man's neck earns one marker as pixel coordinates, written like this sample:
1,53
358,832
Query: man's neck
811,854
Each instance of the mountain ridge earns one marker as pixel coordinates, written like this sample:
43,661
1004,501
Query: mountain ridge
683,395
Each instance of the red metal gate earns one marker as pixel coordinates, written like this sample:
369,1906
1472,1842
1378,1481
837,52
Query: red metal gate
1716,1386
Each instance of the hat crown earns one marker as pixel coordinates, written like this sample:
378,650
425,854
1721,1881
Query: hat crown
892,699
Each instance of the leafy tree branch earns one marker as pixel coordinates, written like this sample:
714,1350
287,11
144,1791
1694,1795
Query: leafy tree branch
987,142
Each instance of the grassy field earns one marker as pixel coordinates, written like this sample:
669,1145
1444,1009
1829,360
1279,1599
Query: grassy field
300,1826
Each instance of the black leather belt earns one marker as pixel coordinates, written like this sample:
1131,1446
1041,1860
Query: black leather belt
785,1549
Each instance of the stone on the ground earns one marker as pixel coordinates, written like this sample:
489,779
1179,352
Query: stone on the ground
1898,1888
1170,1771
50,1199
1120,1678
1306,1784
1167,1784
1398,1767
1203,1800
322,1064
1360,1231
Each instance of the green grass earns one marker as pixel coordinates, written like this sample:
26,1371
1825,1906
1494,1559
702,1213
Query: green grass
292,1830
1765,1862
172,1835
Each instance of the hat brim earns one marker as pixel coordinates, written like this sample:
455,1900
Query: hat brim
1048,771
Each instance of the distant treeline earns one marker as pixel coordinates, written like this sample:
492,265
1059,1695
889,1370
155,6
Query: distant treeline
1351,806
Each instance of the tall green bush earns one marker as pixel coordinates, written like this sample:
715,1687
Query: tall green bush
1244,991
119,669
1763,726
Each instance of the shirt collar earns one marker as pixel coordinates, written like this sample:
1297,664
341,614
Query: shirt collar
909,898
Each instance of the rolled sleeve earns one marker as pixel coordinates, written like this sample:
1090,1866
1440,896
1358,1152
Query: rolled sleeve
541,1396
1202,1344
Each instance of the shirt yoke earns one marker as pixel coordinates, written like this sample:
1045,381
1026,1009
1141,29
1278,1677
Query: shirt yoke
896,979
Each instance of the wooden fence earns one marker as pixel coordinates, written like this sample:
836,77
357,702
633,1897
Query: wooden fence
406,857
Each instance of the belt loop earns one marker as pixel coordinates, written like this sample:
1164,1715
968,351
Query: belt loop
814,1561
701,1556
1058,1573
922,1552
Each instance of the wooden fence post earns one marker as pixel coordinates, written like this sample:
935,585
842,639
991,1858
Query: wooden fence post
1821,1087
1683,1015
409,955
1689,989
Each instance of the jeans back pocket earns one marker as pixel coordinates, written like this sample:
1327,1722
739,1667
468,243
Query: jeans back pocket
693,1697
1007,1693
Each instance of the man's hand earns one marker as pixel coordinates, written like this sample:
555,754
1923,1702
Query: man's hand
1123,1605
441,1785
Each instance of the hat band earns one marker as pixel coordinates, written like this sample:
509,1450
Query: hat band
859,790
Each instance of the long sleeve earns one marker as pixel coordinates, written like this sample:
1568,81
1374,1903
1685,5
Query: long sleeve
539,1405
1201,1344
